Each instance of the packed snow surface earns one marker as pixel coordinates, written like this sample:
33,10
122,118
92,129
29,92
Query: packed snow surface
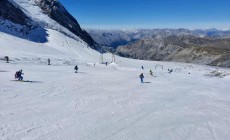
106,102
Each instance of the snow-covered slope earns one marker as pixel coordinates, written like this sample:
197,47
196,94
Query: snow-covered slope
31,9
29,19
59,44
106,102
59,48
101,103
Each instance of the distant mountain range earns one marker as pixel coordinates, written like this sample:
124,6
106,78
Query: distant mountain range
115,38
209,46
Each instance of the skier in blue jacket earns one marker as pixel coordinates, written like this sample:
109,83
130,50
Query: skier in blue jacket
142,78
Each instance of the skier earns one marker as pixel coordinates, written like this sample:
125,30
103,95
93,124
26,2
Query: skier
76,68
142,67
18,75
48,61
7,59
170,70
142,78
151,73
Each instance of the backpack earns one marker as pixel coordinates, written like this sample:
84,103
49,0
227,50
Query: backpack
16,75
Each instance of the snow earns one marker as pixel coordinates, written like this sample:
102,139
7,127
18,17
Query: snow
32,10
106,102
58,45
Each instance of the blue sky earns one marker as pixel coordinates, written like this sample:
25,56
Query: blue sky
107,14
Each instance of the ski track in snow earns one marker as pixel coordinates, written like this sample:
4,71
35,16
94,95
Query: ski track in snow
95,105
106,102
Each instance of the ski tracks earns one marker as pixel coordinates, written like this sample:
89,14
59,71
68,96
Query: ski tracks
120,125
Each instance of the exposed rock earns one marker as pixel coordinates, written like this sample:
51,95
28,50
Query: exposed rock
183,48
116,38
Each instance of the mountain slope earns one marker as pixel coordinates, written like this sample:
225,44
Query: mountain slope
209,46
115,38
8,11
15,22
183,48
109,102
57,12
35,16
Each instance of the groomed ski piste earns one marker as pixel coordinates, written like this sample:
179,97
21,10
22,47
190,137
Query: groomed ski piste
106,102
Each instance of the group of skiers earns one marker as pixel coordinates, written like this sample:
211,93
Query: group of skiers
151,73
142,75
18,74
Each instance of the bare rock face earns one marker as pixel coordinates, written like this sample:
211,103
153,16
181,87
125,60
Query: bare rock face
183,48
56,11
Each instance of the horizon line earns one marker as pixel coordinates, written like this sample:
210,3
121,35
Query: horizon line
129,28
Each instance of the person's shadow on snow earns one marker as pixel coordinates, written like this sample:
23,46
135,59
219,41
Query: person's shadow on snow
27,81
81,72
3,71
146,82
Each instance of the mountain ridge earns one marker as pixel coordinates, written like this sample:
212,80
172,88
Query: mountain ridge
209,46
183,48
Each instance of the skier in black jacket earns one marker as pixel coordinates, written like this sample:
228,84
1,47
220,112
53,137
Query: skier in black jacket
18,75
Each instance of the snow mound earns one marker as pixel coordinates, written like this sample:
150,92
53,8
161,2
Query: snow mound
217,73
113,64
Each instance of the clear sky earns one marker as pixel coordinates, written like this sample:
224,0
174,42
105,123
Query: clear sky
123,14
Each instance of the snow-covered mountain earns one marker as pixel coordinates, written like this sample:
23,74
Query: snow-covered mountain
31,31
29,19
209,46
106,102
15,22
